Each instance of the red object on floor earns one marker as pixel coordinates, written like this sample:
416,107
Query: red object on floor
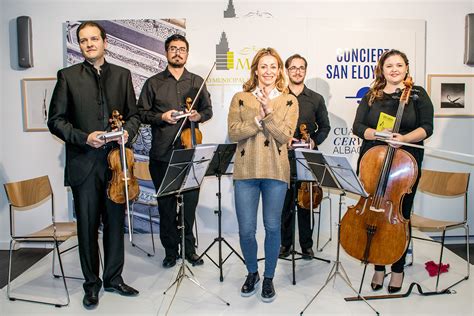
432,268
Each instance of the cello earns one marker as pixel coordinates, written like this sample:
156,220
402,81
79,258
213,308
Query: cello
374,230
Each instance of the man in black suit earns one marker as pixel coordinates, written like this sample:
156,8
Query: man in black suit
83,99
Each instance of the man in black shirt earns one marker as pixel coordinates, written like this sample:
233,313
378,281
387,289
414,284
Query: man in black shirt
314,115
162,96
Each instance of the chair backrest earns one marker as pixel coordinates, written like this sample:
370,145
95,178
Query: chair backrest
141,171
29,192
444,183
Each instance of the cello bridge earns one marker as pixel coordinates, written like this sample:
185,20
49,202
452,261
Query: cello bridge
375,209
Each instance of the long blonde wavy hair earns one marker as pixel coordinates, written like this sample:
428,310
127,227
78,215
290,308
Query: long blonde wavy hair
377,86
280,83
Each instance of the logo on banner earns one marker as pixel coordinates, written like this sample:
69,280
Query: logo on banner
360,94
234,64
224,57
227,60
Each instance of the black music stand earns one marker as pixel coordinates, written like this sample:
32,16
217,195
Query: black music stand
218,167
297,175
333,172
185,172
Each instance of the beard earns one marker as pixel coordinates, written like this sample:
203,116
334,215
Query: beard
297,80
174,63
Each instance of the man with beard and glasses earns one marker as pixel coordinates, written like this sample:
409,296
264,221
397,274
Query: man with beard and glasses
314,115
162,96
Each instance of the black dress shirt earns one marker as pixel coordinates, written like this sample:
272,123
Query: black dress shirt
418,112
161,93
314,114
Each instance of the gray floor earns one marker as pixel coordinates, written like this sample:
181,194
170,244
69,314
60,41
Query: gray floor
147,275
25,258
22,258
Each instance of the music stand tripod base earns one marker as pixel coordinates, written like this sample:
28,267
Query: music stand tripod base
293,252
183,267
218,166
333,172
181,176
338,269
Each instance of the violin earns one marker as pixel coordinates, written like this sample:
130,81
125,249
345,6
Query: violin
374,230
304,194
123,182
188,140
190,136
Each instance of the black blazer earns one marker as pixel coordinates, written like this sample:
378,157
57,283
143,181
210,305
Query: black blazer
76,110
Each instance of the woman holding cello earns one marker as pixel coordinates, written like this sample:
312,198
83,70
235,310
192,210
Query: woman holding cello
375,111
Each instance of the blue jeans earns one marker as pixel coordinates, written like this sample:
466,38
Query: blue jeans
247,195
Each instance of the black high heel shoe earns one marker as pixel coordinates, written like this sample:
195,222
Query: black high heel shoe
376,286
395,289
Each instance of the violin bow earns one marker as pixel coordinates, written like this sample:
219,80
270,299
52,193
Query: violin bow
194,102
396,142
125,176
125,173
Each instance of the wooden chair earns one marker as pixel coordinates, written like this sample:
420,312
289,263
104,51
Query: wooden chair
447,185
27,195
141,172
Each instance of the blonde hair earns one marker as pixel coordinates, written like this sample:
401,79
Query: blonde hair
376,88
280,83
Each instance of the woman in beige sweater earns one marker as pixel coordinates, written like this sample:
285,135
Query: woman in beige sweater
262,119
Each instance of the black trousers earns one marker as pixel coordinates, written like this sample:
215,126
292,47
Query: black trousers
169,219
91,206
304,222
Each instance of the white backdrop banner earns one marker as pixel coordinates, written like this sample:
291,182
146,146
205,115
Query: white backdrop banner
341,55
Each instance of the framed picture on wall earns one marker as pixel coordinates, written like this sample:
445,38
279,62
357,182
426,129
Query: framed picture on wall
36,93
452,95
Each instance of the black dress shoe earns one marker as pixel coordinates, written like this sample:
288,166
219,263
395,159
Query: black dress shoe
308,253
376,286
122,289
395,289
169,261
90,300
284,251
194,259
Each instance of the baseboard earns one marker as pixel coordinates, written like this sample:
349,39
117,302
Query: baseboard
5,245
451,240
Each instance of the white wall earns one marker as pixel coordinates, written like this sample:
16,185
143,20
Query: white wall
3,205
24,155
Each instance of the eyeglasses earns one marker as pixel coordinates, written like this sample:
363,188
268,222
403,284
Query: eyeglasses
295,69
181,50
